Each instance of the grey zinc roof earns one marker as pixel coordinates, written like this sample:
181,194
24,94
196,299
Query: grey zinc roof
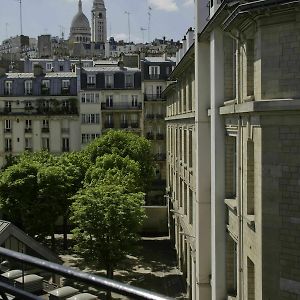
159,59
48,75
109,69
8,229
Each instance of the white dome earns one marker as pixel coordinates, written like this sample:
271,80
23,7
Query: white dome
80,25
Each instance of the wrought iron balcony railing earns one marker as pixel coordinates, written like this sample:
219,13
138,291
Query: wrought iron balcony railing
154,97
83,277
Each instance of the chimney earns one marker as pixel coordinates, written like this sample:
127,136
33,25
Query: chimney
184,45
190,35
38,70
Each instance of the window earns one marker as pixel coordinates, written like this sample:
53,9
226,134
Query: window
88,137
230,167
45,123
90,118
61,68
65,84
109,81
8,145
45,144
28,87
134,100
129,81
8,88
7,106
7,125
48,66
28,124
28,143
28,104
109,101
65,145
158,90
154,72
46,84
91,80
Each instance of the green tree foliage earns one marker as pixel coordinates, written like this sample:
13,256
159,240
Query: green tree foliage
107,220
114,169
125,144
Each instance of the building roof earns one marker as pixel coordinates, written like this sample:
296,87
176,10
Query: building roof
7,229
160,59
47,75
110,69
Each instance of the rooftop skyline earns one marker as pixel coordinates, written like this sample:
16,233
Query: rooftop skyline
48,17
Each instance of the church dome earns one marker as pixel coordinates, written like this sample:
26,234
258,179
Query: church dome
80,21
80,26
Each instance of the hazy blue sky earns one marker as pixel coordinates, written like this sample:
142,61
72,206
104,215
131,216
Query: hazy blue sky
170,18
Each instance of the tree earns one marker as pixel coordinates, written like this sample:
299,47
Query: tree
125,144
114,169
24,199
107,221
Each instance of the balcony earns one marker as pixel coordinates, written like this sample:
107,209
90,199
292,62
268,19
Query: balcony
134,125
23,291
28,149
150,136
8,149
160,116
154,97
91,86
45,130
160,156
124,125
8,92
65,91
65,149
28,130
149,116
108,125
7,130
45,91
160,136
121,106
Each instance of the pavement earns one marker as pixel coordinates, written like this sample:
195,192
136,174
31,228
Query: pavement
152,267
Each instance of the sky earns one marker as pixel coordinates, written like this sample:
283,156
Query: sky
169,18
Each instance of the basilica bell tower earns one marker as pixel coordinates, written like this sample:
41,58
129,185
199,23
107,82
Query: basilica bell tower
99,25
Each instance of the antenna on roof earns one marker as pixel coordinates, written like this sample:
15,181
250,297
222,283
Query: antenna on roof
143,34
128,14
21,21
149,23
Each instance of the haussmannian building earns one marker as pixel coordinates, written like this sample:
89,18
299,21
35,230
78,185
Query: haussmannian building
246,145
181,189
111,98
155,71
38,111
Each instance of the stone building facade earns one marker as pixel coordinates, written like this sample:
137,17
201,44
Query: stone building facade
246,151
38,111
155,71
111,98
181,189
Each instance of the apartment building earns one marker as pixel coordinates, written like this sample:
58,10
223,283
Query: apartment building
246,150
181,188
155,72
38,111
111,98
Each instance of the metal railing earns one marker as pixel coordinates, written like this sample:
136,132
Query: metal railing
91,279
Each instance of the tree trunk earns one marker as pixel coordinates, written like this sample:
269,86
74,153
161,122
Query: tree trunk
53,242
65,231
110,275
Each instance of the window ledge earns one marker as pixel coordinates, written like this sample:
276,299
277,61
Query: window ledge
231,203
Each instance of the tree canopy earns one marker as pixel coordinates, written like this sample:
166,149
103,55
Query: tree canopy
107,220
